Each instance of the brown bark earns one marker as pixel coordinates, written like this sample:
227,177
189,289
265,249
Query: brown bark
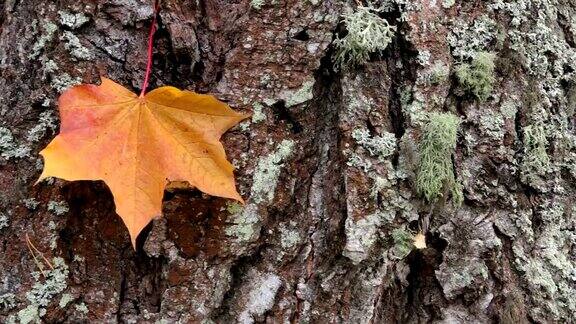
314,242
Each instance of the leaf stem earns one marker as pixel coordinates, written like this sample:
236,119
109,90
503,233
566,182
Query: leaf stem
150,49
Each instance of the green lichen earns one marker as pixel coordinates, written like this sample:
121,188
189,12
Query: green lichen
435,171
477,77
30,314
536,161
381,146
367,34
289,237
403,242
439,73
234,208
244,225
267,172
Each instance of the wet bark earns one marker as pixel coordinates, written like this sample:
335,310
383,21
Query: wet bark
315,242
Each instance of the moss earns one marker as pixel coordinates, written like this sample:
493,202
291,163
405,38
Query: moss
267,172
536,161
477,77
381,146
367,34
435,171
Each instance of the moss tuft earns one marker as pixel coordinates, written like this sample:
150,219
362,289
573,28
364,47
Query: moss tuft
477,77
367,33
435,170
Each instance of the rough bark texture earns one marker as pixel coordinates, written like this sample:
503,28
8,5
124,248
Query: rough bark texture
319,240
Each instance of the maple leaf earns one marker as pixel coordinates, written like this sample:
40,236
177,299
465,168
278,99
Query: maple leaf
137,144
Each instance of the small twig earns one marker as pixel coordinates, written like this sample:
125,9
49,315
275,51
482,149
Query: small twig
150,48
32,248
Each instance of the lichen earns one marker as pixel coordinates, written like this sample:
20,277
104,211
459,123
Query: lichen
257,4
65,300
361,235
403,242
438,73
289,237
30,203
367,34
268,171
48,33
74,46
258,115
72,20
4,222
381,146
42,292
9,149
303,94
7,302
46,121
82,308
59,208
435,171
260,298
467,40
536,162
244,225
477,77
64,81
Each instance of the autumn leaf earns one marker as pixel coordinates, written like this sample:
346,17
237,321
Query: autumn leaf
137,144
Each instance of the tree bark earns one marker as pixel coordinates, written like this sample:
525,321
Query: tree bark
320,237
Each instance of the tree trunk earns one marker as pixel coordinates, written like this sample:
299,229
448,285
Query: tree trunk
329,165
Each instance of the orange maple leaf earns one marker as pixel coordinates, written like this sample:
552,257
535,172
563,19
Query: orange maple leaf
137,144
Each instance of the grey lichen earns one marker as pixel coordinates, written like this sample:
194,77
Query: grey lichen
381,146
301,95
47,122
257,4
7,302
47,34
42,292
58,208
72,20
260,298
258,114
477,77
367,34
267,172
437,144
82,308
74,46
30,203
4,222
361,235
64,81
244,224
65,300
9,149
